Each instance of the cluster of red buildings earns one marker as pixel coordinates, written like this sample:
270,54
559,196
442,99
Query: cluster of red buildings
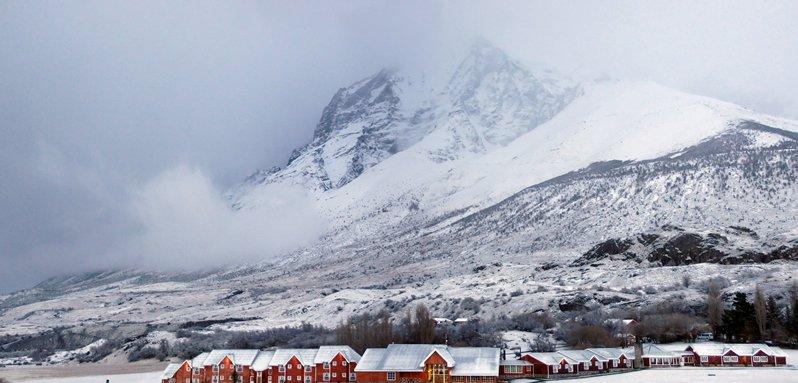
597,360
339,364
435,363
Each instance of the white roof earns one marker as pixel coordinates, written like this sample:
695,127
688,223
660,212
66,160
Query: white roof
475,361
611,352
464,361
283,355
170,370
652,350
402,357
199,360
737,348
327,353
550,358
261,362
578,355
239,357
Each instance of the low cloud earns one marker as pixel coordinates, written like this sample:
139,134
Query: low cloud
185,223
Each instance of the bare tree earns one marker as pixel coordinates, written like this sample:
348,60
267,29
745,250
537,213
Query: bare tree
761,310
714,306
424,325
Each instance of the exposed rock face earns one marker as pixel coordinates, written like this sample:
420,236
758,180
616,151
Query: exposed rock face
674,246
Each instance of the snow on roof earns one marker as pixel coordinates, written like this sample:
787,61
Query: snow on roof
551,358
403,357
372,360
578,355
737,348
464,361
199,360
611,352
170,370
652,350
475,361
283,355
327,353
239,357
261,362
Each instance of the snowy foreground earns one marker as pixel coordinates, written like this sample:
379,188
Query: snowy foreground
147,377
696,374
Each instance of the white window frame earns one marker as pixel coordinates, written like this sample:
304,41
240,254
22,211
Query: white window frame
307,379
391,376
334,363
281,379
568,367
308,368
289,378
215,379
352,377
586,365
704,359
215,368
343,363
326,365
334,374
239,368
281,368
326,376
290,366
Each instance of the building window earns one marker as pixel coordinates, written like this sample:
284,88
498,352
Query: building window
326,365
221,366
281,368
391,376
352,377
281,379
334,363
239,368
215,379
334,374
326,377
704,358
307,368
269,379
290,366
343,363
215,368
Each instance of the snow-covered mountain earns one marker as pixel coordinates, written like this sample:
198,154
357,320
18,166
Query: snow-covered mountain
488,179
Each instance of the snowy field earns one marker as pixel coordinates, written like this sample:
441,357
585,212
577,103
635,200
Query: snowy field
695,374
147,377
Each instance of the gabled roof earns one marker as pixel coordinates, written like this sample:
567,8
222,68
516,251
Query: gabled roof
199,360
607,353
652,350
718,349
402,357
475,361
283,355
578,355
170,370
464,361
327,353
239,357
261,362
551,358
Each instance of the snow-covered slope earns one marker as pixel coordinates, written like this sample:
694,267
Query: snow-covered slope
489,179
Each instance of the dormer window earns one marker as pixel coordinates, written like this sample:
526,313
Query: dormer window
327,365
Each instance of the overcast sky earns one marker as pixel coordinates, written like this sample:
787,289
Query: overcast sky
122,122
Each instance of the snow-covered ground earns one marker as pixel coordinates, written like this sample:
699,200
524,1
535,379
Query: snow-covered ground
147,377
696,375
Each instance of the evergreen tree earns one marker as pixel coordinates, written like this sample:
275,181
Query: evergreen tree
740,321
